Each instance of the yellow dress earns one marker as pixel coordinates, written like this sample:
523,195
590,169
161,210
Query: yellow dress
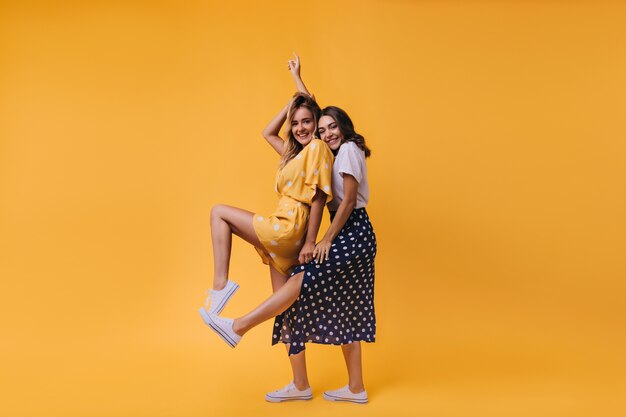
282,233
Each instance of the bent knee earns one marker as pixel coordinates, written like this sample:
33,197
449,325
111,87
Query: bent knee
218,211
298,278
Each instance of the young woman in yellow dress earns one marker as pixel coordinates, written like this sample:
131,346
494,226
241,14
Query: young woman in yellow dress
331,300
286,237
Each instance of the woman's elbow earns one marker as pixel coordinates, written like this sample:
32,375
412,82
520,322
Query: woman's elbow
350,203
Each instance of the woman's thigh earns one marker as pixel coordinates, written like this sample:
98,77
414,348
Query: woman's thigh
240,222
278,279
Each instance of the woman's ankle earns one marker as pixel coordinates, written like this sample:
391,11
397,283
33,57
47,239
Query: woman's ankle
356,388
238,327
302,384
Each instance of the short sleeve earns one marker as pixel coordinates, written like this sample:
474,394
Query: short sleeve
319,168
350,161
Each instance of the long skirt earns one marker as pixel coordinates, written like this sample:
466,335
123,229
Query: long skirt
336,301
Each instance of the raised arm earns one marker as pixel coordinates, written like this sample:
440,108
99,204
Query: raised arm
294,67
271,131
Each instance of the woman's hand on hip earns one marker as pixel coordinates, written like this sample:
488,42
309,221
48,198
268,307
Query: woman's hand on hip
306,253
322,251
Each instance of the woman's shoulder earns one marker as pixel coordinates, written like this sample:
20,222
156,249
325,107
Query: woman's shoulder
315,143
317,147
349,149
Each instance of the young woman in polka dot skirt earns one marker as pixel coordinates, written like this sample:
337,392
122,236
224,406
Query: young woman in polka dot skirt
286,237
330,300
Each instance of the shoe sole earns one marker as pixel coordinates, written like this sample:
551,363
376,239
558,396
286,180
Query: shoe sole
220,307
328,397
209,322
280,400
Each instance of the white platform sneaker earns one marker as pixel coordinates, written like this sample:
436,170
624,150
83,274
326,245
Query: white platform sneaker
344,394
222,326
289,393
216,301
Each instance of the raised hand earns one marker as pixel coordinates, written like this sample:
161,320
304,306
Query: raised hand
293,65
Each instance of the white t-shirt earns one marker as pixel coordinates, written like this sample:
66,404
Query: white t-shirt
349,160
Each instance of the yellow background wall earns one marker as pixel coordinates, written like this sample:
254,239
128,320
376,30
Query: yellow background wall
498,198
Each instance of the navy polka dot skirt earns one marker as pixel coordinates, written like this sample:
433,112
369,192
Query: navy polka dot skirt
336,302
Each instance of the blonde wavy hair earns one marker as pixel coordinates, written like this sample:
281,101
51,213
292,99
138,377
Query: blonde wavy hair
292,146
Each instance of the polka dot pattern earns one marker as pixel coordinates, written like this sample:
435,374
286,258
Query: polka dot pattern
336,302
281,232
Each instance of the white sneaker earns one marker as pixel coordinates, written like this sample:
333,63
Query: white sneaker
344,394
218,299
289,393
222,326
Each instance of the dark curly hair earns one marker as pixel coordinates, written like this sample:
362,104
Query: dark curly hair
346,127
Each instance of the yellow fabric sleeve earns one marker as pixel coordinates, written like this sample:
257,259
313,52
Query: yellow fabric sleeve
319,169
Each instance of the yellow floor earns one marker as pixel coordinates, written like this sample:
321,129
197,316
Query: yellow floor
443,354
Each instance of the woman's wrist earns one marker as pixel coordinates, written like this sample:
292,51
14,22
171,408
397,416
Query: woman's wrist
328,237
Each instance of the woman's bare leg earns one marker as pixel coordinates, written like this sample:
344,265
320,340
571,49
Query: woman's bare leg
278,279
226,220
272,306
278,302
298,368
352,355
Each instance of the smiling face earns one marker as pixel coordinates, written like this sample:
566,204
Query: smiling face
330,133
303,126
